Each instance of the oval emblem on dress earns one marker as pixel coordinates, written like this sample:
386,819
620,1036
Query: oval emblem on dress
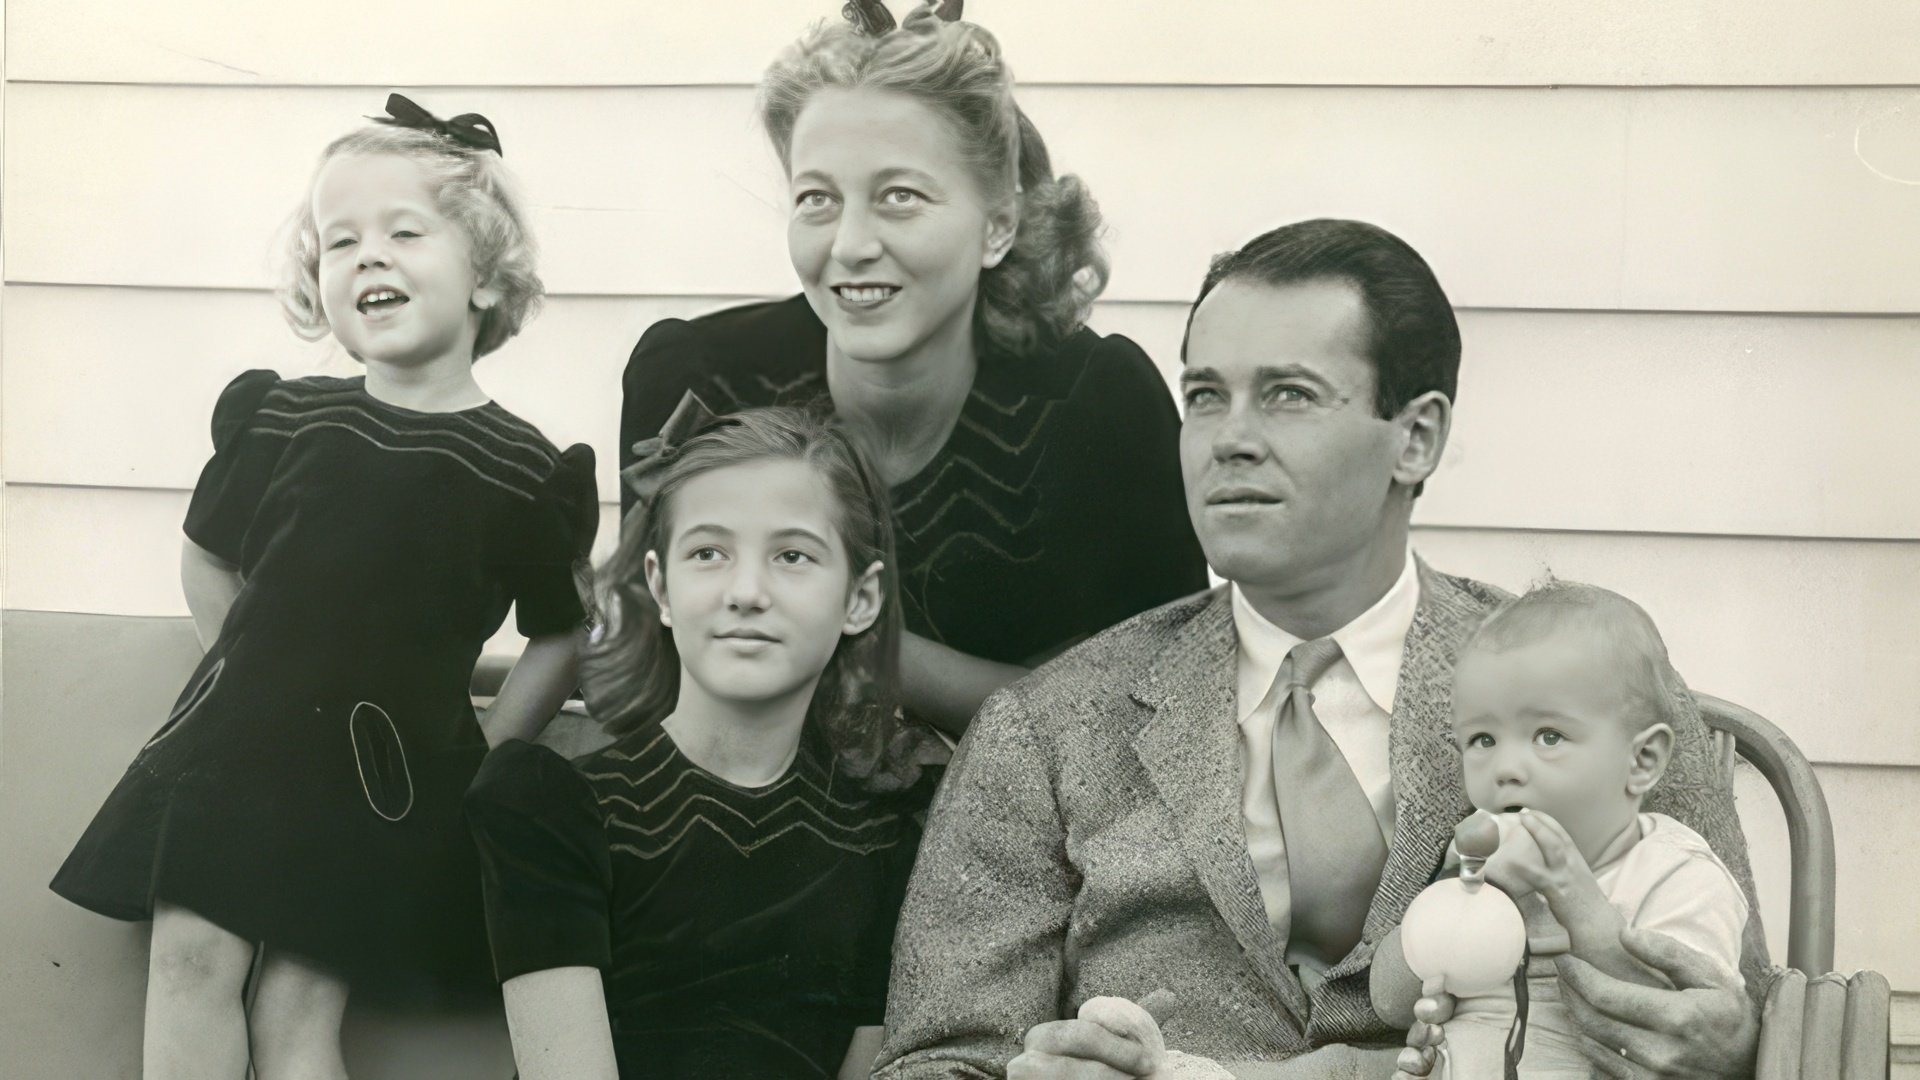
190,699
382,761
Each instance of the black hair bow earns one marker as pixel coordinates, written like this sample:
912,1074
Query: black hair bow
467,129
871,17
651,456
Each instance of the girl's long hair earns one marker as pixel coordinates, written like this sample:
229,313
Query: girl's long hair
631,672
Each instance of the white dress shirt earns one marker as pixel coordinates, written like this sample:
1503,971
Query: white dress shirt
1354,701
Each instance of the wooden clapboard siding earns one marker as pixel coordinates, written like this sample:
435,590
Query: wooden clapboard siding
1567,420
1601,198
117,550
493,42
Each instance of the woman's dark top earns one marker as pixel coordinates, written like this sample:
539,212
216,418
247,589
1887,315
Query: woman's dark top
306,790
1054,510
740,932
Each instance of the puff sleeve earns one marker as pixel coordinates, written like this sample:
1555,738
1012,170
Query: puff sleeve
1129,521
544,869
557,533
235,479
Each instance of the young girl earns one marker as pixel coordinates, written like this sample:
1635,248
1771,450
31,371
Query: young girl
714,895
1564,707
350,546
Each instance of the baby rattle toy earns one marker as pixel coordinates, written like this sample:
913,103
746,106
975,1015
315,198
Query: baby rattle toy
1460,936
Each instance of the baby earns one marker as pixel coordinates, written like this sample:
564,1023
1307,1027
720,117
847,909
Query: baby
1564,708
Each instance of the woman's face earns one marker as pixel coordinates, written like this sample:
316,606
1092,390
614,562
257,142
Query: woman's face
888,229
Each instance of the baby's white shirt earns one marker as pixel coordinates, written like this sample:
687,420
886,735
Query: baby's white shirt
1669,881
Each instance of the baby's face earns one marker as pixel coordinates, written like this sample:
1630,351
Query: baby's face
1546,725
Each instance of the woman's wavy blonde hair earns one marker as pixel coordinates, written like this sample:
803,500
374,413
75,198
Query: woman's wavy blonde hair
1044,287
475,191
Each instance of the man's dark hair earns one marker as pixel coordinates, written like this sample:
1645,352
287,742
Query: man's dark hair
1412,338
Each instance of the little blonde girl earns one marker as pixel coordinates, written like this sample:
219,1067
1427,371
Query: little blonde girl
349,547
714,895
1564,708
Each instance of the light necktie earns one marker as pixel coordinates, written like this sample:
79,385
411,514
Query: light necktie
1334,848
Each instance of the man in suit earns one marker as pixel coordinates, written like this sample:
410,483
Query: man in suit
1236,795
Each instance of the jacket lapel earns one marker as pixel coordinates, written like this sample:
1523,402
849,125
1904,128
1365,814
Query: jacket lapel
1428,794
1190,750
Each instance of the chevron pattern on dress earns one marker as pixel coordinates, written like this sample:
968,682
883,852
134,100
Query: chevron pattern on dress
493,444
721,396
651,798
976,501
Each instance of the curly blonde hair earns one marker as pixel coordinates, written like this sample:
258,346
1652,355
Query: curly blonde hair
475,191
1045,286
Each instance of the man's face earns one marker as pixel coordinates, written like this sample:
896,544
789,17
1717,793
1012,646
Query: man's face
1289,472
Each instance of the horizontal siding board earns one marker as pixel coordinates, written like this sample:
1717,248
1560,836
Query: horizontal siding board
1710,200
1814,635
590,42
111,551
116,551
1619,422
1745,619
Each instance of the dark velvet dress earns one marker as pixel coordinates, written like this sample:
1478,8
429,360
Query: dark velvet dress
741,932
1054,510
306,789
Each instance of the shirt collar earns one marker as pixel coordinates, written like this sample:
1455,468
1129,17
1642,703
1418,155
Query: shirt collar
1372,643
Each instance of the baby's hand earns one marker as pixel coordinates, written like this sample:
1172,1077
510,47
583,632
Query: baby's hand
1539,857
1425,1038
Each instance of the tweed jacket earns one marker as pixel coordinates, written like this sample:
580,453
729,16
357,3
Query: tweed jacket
1088,840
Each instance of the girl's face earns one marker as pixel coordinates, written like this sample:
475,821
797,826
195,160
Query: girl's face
754,581
889,231
396,275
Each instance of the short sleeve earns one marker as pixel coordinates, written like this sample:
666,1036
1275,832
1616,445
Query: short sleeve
544,869
235,479
659,372
1697,903
1131,525
557,536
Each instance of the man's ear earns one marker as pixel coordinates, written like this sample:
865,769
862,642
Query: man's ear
657,585
1651,750
864,601
1423,425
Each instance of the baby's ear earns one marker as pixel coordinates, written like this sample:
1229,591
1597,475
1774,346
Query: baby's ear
1652,749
